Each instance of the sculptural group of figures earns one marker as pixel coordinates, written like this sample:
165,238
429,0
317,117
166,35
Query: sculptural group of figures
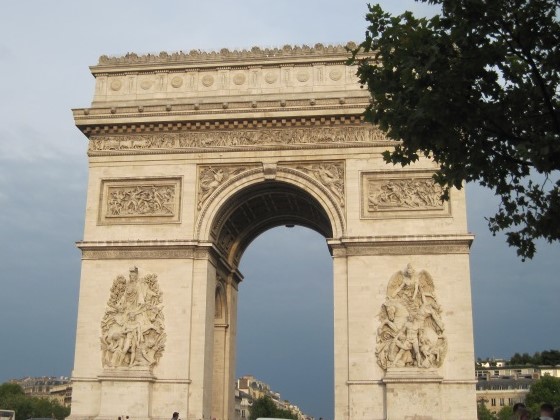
141,200
410,333
408,193
132,330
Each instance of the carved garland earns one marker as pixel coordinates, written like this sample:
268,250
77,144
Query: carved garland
132,329
411,330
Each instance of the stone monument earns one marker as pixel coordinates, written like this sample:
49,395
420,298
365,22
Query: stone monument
192,156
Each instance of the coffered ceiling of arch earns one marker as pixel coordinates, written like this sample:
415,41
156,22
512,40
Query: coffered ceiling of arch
261,207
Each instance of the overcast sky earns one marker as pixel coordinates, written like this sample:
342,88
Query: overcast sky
45,51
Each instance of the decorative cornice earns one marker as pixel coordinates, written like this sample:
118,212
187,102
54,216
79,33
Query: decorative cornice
402,245
169,249
351,240
193,114
225,55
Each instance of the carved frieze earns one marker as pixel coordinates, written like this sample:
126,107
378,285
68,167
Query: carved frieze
236,138
408,195
329,174
140,200
132,328
411,330
210,177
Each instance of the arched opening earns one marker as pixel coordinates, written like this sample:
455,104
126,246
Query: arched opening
240,220
260,207
285,317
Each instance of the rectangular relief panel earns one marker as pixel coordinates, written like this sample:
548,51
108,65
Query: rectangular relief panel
140,201
409,194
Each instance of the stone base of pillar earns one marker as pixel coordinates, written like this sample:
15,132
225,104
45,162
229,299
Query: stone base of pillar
126,393
413,393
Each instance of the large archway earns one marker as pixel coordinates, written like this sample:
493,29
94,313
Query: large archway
191,157
285,318
246,214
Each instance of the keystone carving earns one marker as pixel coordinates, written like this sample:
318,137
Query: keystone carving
132,329
411,330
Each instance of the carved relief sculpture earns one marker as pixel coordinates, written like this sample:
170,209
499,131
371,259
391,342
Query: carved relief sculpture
141,200
330,174
410,333
237,138
137,200
420,193
132,329
211,177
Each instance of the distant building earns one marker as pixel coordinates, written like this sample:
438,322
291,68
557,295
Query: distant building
500,386
499,392
243,402
62,393
248,389
40,386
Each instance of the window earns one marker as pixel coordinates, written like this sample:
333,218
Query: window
493,402
510,401
502,403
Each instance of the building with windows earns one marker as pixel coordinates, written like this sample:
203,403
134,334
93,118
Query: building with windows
248,389
498,387
41,386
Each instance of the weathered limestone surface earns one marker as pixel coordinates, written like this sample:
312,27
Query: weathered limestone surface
193,155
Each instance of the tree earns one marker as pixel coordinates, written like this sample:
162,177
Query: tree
265,407
12,397
475,88
8,388
482,412
546,389
505,413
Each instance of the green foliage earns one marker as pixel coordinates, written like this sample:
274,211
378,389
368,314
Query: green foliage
545,390
265,407
482,413
547,357
10,389
476,88
505,413
12,397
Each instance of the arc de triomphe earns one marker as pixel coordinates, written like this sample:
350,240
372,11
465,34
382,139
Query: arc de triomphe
193,155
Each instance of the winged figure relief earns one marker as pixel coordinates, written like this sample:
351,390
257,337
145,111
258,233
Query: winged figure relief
410,333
